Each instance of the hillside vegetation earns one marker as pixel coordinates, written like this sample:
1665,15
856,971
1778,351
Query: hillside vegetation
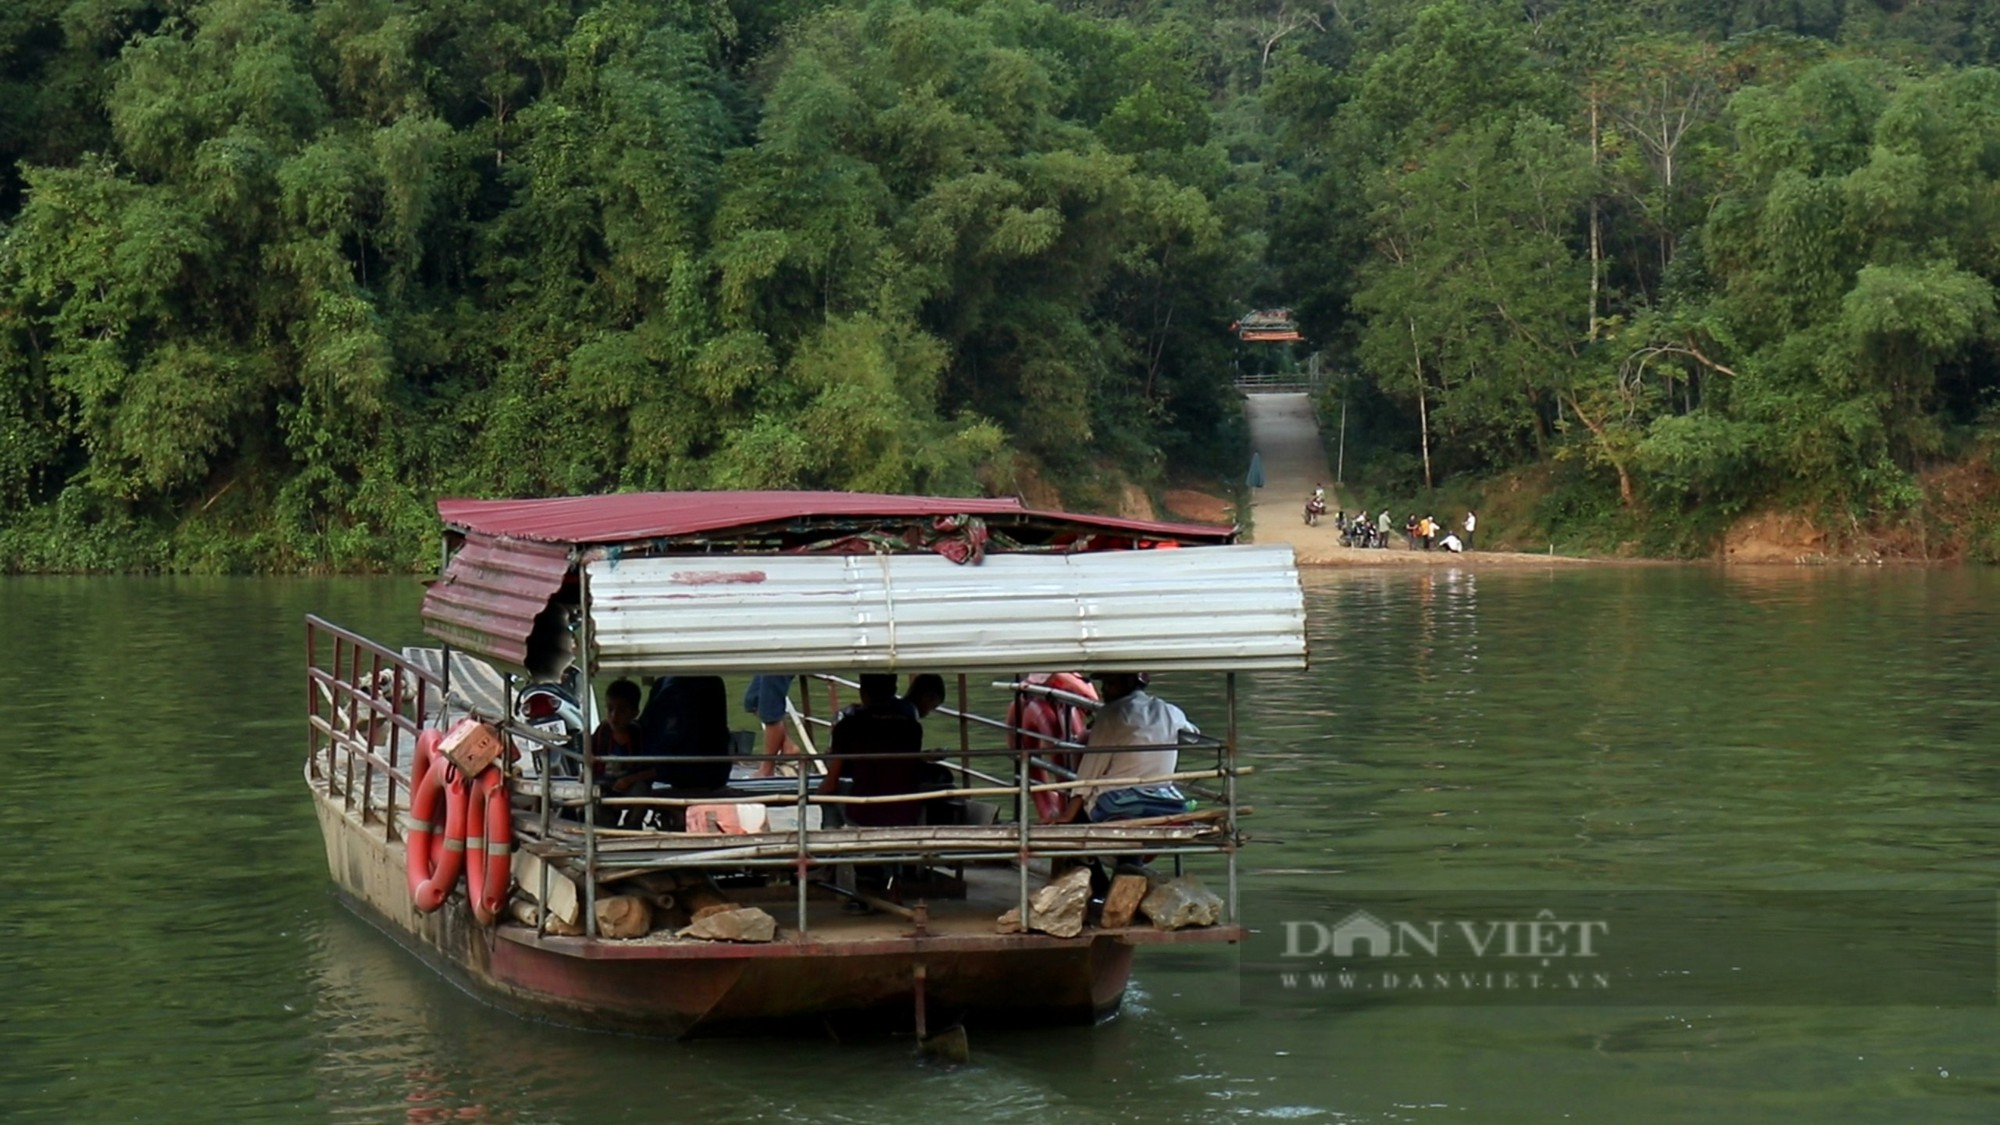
274,275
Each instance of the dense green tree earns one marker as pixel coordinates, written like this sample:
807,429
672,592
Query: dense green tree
273,275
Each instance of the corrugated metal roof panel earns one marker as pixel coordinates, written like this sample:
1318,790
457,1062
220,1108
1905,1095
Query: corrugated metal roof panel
1220,608
491,592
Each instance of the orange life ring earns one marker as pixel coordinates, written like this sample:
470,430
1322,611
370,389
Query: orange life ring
433,852
489,846
421,830
1046,720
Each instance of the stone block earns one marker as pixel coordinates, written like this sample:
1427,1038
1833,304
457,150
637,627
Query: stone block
743,923
1179,903
1057,909
1122,900
623,916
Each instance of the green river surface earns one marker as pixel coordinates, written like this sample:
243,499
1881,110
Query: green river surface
171,948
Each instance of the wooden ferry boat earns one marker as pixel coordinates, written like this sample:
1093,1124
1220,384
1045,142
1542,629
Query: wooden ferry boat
818,585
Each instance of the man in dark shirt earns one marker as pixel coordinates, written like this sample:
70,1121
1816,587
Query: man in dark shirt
880,725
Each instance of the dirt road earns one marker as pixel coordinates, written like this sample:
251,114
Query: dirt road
1285,436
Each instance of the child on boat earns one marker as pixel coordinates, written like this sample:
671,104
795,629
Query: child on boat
618,736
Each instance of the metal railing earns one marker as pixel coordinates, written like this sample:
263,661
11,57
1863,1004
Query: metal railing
366,704
1277,383
361,717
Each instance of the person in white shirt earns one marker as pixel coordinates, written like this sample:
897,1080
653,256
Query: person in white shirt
1450,543
1152,727
1471,522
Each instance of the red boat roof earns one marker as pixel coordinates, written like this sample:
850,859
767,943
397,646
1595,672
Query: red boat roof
628,516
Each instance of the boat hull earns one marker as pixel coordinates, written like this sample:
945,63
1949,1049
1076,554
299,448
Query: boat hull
681,988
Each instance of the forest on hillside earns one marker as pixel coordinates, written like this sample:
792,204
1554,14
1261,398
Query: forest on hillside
275,274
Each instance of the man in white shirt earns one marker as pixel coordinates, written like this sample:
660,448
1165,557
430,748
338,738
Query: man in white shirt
1152,727
1471,522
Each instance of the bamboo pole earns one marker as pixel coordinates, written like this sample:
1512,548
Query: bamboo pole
783,857
1112,845
898,798
1178,824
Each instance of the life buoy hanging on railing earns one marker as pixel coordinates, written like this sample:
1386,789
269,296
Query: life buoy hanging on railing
1046,721
489,846
434,850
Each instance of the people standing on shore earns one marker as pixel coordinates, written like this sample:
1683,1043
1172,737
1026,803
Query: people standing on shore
1410,532
1471,522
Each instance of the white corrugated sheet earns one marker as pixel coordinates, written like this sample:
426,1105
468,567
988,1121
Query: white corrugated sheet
1233,608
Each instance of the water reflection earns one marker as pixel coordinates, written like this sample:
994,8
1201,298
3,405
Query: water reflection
393,1040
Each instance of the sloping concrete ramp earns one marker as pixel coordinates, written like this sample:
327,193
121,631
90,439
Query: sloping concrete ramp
1284,432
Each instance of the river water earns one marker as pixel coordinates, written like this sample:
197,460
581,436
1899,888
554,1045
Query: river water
170,947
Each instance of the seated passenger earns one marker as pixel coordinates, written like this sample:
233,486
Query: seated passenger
618,736
688,716
1152,726
926,694
880,724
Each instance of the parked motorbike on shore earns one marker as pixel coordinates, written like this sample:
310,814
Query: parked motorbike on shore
1361,533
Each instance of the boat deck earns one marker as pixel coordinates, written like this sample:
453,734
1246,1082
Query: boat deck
949,925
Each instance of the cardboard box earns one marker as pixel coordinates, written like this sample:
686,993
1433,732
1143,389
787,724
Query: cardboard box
471,745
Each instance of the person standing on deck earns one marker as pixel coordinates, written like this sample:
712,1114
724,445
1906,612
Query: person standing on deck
767,698
1152,727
